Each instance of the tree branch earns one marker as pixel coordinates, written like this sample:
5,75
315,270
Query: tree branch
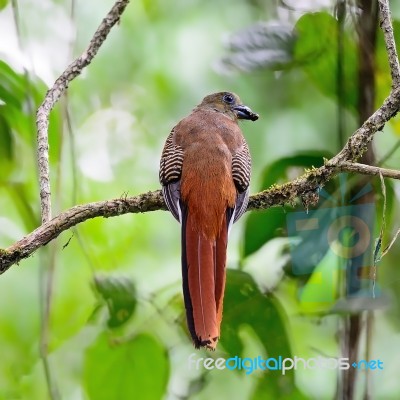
387,28
303,187
357,143
48,231
364,169
54,94
353,149
153,201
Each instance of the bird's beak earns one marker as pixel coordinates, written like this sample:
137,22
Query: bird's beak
244,112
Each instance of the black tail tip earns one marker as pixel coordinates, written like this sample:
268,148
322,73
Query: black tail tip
209,344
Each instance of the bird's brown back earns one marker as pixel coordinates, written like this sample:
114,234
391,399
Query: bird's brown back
209,140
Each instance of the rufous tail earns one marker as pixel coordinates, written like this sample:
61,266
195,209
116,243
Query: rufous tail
203,273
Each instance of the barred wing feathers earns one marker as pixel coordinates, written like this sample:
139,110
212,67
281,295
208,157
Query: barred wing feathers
170,175
241,172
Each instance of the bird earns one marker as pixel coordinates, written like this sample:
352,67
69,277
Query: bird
205,170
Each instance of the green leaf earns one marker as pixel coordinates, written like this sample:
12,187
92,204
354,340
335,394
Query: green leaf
263,226
6,148
390,204
12,86
137,368
22,97
6,144
21,123
317,51
120,295
3,4
245,304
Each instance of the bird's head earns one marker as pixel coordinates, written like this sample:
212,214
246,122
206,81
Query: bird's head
228,104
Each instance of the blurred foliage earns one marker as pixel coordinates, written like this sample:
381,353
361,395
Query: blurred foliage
317,50
139,365
246,305
116,327
120,296
263,45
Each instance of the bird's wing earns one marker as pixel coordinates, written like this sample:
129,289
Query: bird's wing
170,175
241,171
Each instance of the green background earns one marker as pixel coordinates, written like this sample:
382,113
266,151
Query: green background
116,326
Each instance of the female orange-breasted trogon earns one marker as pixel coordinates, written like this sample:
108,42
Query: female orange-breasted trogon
205,174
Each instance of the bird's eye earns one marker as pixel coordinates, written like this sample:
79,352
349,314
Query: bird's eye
228,98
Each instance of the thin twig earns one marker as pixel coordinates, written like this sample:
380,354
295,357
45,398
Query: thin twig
357,143
43,348
369,170
387,248
53,95
378,242
42,122
46,286
387,28
378,254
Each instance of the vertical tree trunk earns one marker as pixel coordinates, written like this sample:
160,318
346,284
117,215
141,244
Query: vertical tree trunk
367,25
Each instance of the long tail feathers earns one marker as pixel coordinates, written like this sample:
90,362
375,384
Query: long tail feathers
203,273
